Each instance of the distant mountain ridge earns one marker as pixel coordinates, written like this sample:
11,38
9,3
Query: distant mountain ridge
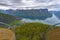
57,13
41,14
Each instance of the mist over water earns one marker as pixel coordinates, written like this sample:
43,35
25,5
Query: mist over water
52,20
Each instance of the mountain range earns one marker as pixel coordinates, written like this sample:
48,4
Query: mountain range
41,14
37,15
57,13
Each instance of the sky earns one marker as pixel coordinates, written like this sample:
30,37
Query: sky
30,4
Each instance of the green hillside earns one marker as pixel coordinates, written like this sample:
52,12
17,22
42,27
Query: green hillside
7,18
31,31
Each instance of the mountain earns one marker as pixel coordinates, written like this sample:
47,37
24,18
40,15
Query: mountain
53,12
57,13
53,20
41,14
7,18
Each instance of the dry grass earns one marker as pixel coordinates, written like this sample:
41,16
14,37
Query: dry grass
6,34
53,34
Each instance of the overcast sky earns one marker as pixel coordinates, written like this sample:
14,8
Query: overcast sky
30,4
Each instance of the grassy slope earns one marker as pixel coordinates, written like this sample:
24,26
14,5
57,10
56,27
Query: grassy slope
31,31
7,18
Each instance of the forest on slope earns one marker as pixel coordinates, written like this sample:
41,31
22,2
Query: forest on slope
31,31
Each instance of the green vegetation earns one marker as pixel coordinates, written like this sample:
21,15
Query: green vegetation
16,22
31,31
7,18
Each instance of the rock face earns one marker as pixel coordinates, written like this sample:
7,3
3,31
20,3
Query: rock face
53,34
31,14
34,14
6,34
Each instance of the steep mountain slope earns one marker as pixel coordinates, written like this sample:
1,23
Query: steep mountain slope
7,18
58,14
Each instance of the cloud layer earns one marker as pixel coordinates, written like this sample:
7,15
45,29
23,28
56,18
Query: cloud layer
30,4
54,19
